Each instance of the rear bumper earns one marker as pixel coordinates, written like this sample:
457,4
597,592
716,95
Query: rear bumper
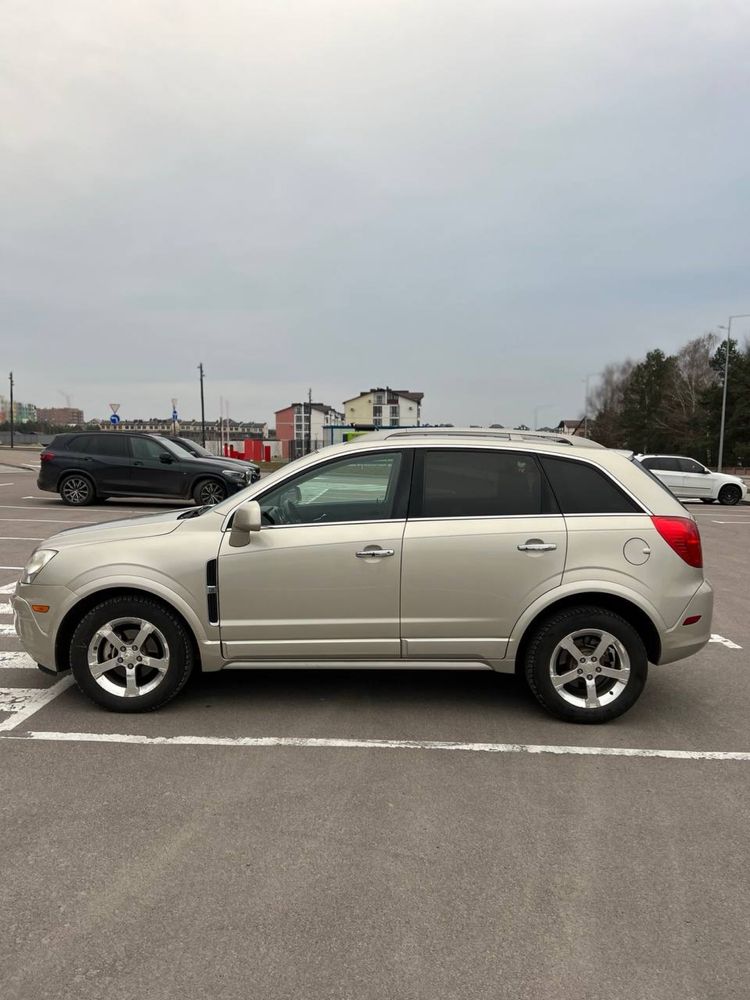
685,640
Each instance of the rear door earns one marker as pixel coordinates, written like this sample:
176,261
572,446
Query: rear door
667,468
106,458
483,540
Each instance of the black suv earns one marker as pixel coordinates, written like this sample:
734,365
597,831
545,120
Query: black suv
84,468
198,451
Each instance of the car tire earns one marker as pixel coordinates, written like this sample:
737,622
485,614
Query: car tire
604,681
112,633
76,490
209,491
730,495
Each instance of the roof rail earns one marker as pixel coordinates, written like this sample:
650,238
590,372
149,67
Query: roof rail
540,437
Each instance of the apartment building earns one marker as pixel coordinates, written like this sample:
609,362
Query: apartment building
385,408
300,423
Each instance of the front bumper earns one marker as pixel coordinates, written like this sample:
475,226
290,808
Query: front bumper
37,630
685,640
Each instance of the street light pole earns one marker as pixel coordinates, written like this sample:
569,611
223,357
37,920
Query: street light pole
203,408
12,422
728,328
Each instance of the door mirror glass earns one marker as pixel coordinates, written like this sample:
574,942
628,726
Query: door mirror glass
246,520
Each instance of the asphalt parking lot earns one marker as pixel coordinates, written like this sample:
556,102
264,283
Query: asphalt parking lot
374,835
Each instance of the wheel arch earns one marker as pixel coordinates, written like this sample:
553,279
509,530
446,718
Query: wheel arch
84,473
74,614
621,606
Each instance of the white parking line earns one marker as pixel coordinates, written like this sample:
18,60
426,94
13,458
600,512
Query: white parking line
16,661
17,538
11,567
7,588
5,609
44,520
312,743
724,642
22,703
7,629
735,521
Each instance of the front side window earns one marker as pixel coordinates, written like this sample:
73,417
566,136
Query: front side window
690,465
357,488
581,488
456,483
147,450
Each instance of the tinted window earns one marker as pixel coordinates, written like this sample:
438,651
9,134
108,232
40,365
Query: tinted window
583,489
661,463
479,484
85,444
361,488
111,444
690,465
146,449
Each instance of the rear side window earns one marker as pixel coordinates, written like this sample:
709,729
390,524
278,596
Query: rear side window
85,444
112,444
583,489
457,483
661,464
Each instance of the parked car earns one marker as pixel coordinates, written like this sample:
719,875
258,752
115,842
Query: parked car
84,468
405,549
198,451
691,480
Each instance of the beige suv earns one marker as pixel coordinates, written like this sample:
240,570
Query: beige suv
419,549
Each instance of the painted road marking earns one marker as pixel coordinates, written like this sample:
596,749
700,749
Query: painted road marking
11,567
17,538
17,661
7,588
7,484
308,743
7,629
724,642
43,520
22,703
735,521
5,609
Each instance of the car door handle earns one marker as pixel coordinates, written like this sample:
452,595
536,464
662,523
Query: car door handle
375,553
534,546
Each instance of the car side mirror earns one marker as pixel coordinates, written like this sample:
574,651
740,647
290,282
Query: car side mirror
166,459
246,520
706,472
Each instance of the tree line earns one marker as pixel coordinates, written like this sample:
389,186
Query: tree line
671,403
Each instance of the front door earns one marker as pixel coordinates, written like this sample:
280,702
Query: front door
156,470
484,540
320,581
696,482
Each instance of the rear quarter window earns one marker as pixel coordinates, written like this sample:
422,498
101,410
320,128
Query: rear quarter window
581,488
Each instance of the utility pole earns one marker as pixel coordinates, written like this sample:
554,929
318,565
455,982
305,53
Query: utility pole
12,421
309,422
203,408
728,328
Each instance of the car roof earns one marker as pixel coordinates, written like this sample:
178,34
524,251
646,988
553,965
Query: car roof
471,434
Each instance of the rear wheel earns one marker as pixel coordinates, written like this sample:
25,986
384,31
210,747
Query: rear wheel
586,665
131,654
730,495
209,491
77,490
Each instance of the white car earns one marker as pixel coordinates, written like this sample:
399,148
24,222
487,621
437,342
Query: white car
690,480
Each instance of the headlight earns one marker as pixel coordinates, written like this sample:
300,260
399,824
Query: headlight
235,474
36,564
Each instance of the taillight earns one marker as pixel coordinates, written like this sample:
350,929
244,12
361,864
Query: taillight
47,456
682,535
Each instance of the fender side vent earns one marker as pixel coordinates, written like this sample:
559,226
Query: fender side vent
212,592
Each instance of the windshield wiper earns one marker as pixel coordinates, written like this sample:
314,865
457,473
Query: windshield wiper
194,512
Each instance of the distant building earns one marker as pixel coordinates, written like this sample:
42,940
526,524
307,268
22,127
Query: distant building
192,428
385,408
23,413
571,427
62,416
299,426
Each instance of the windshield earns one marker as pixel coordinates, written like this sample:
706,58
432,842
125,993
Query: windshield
175,449
197,449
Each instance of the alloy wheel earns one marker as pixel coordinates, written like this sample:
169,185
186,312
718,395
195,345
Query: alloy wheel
76,490
128,657
589,668
211,493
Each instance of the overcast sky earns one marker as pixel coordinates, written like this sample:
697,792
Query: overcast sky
484,201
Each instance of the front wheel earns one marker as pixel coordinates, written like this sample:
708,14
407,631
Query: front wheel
209,491
586,665
130,654
730,495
